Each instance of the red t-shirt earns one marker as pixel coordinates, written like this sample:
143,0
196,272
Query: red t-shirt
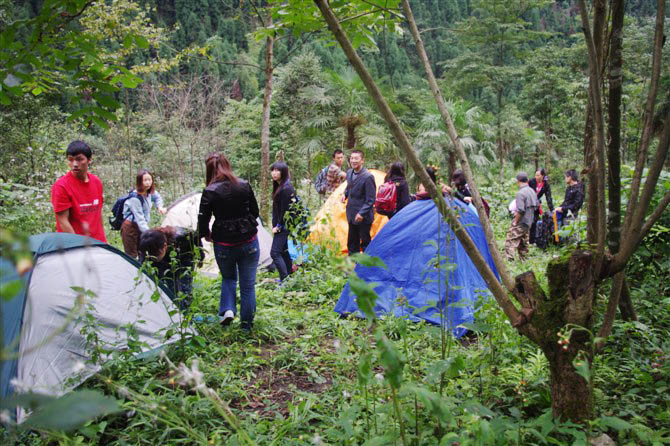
84,200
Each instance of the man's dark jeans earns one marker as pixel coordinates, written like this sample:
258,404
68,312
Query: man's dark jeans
243,260
280,255
358,238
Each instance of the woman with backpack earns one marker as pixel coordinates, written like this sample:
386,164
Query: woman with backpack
234,236
395,178
283,196
540,184
137,211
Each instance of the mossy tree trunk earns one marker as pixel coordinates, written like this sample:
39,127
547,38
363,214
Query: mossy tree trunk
572,288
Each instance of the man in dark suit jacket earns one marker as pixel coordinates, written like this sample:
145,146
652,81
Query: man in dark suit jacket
360,195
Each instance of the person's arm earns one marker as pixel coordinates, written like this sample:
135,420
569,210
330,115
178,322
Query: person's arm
403,195
370,195
135,206
63,218
520,209
547,194
158,202
253,204
204,216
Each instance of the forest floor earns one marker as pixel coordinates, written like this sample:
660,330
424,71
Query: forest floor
305,375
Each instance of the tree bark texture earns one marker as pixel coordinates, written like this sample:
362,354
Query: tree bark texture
572,287
265,130
614,128
596,201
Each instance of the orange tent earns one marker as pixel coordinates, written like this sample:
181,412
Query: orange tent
331,220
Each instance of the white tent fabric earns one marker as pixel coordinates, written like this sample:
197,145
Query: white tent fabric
53,347
184,213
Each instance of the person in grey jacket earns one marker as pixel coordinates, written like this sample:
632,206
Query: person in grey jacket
137,211
360,198
517,234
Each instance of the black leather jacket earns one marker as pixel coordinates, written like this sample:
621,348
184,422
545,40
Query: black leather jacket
235,212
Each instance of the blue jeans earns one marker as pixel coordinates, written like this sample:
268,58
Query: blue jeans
242,260
280,256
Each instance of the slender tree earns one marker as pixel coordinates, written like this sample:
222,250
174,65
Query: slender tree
574,279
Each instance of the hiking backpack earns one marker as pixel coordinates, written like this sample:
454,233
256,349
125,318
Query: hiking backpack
321,181
387,197
116,220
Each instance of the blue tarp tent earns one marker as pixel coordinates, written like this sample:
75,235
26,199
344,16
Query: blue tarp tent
408,246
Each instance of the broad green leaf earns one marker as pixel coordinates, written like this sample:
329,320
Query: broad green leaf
365,295
366,260
391,359
10,289
615,423
72,411
582,368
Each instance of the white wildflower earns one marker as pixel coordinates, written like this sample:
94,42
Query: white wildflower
131,413
192,377
379,377
316,439
346,394
123,392
78,367
4,417
337,344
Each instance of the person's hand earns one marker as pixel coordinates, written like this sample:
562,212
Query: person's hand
467,199
446,189
343,199
558,209
358,218
421,189
343,175
163,211
275,229
209,238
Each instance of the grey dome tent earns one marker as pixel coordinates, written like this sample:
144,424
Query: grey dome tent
45,323
184,213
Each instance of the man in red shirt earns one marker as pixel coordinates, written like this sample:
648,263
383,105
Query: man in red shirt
77,196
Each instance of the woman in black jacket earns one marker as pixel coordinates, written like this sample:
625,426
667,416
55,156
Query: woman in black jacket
396,174
283,196
540,184
233,203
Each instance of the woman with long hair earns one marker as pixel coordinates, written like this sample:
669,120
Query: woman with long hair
461,190
234,235
283,196
137,211
396,174
540,184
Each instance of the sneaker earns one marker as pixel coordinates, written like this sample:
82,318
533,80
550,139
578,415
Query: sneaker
228,317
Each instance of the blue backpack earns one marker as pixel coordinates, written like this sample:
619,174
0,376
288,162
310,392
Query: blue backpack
116,220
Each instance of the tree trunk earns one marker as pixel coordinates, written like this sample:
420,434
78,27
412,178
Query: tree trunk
626,306
351,136
265,131
572,288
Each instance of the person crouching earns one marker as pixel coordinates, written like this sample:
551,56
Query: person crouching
157,246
